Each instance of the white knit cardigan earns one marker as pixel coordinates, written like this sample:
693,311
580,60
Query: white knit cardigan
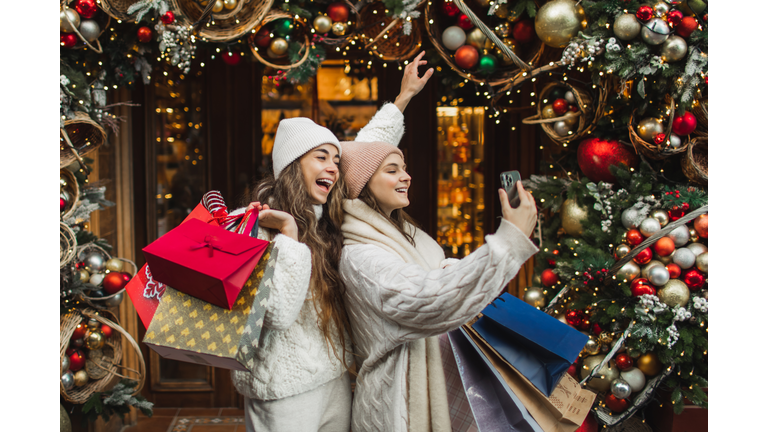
393,301
294,357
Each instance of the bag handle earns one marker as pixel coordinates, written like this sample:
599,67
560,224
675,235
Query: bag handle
249,224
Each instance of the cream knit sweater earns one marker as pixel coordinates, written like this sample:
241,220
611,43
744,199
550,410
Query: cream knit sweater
394,301
294,357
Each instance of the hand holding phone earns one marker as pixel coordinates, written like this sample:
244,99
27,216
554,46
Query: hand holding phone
508,182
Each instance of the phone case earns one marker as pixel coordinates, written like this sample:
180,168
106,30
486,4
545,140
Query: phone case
508,180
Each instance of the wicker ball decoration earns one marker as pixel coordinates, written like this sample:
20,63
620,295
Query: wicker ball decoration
393,45
67,325
353,22
235,25
589,112
99,303
694,162
436,23
651,149
70,186
299,33
85,135
118,9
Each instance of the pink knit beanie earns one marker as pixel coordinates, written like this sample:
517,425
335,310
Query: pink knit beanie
360,162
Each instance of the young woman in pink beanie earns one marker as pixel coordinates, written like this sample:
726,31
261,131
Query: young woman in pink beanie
401,292
301,381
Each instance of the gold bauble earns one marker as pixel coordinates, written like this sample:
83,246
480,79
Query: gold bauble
674,292
81,378
591,347
628,271
278,46
535,297
649,364
605,338
484,3
512,45
649,127
622,250
662,216
83,275
230,4
702,262
339,28
502,11
694,235
664,259
74,19
322,24
558,21
94,340
572,215
649,266
602,380
503,30
548,112
65,424
115,265
218,6
477,39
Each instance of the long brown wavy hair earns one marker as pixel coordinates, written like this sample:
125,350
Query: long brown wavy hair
289,193
399,218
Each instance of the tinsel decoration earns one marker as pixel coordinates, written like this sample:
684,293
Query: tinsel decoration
177,45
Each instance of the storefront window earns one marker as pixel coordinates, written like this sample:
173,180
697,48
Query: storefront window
460,183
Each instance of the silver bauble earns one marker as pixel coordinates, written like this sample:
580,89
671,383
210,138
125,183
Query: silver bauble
558,21
94,261
649,127
534,297
626,27
64,363
647,268
561,128
674,49
660,9
93,324
620,388
114,301
684,257
96,279
655,31
570,97
702,262
629,218
89,29
68,380
662,216
115,264
74,18
628,271
453,38
675,141
680,236
697,248
675,292
658,275
635,378
592,347
649,226
322,24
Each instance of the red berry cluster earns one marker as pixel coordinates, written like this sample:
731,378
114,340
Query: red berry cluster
599,274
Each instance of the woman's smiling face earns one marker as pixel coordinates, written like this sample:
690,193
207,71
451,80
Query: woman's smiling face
320,167
389,184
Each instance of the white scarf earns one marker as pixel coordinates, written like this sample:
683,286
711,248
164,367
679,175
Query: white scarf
427,396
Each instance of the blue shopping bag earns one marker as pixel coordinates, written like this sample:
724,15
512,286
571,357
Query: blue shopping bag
539,346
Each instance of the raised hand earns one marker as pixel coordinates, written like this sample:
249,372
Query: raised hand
524,216
412,84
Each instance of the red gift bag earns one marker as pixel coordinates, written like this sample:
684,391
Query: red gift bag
206,261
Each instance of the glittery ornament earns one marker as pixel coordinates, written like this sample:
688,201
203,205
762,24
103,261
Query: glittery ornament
694,279
684,257
702,262
86,8
339,28
680,236
674,292
644,13
673,49
626,27
572,216
558,21
596,155
649,226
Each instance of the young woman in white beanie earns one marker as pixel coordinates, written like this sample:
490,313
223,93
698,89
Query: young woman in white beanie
401,292
301,381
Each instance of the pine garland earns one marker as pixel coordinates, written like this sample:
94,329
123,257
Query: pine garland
116,401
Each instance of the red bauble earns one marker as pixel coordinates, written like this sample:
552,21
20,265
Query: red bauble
674,270
589,424
80,331
684,124
574,318
466,57
560,106
86,8
701,225
640,286
338,12
113,282
62,204
168,18
664,246
231,58
596,329
464,22
686,26
523,31
674,17
144,34
106,330
448,7
126,276
595,155
635,237
549,278
694,278
76,360
644,256
261,38
644,13
676,213
584,324
615,404
573,108
624,361
659,138
68,40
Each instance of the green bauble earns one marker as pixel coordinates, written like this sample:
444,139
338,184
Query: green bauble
65,425
488,64
283,27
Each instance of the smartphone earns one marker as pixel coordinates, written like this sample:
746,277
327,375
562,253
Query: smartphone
508,180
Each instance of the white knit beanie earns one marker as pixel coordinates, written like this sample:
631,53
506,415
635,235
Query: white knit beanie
296,136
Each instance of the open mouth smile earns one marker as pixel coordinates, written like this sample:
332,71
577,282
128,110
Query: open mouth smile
401,190
324,184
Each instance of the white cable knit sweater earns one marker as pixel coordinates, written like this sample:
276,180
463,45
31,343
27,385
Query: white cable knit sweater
392,302
295,357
